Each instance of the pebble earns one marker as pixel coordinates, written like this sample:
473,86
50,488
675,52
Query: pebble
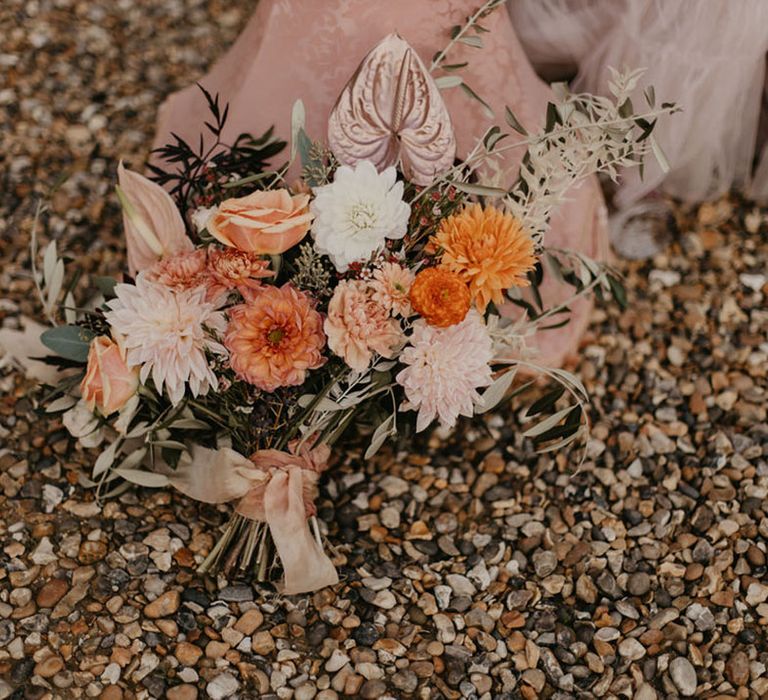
469,568
222,686
164,605
638,584
631,649
51,592
683,676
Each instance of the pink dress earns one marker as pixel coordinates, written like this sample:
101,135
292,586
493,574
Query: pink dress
309,49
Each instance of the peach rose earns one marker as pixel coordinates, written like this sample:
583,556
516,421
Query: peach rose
108,381
265,222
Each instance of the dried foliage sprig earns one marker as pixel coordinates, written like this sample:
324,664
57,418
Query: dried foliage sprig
199,176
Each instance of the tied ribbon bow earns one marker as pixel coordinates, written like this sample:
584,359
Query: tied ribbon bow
271,486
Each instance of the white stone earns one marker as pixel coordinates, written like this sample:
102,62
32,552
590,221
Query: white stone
756,593
43,553
337,661
222,686
683,676
631,649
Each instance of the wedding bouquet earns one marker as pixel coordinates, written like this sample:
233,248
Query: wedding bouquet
387,290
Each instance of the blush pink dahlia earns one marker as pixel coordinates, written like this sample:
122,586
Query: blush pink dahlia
180,271
275,338
391,284
357,326
167,333
446,367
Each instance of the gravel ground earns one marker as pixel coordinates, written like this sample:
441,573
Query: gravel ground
470,567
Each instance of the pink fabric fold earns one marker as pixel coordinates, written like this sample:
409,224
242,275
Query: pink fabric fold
278,488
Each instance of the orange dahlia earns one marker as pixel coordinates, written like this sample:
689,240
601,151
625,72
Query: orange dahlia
275,338
440,297
489,249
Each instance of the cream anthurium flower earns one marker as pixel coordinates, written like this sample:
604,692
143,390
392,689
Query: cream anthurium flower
357,212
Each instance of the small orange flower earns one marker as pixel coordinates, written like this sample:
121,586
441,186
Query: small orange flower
489,249
440,296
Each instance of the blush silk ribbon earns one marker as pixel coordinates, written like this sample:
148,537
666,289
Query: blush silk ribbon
271,486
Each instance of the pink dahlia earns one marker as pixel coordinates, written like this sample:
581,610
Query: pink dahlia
167,334
275,338
357,326
391,284
446,367
180,271
229,268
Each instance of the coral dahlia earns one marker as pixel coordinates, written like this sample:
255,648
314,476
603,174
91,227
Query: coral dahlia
275,338
489,249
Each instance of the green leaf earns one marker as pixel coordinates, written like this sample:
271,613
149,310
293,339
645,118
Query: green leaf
305,153
106,286
448,81
298,119
514,122
475,96
49,262
60,404
385,429
453,66
106,458
474,41
660,156
545,402
189,424
142,478
548,423
618,292
69,342
496,392
170,445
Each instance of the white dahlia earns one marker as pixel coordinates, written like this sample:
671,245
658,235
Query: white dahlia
446,367
357,212
167,333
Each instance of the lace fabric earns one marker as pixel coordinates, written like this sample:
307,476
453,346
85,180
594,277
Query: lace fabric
708,56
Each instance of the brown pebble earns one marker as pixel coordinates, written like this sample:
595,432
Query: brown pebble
52,592
262,643
164,605
49,667
737,669
182,692
91,552
187,654
111,692
249,621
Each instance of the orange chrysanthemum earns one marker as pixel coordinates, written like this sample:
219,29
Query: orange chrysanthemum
440,297
489,249
275,338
